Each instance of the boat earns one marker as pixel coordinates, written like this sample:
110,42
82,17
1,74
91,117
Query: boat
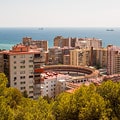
109,30
40,28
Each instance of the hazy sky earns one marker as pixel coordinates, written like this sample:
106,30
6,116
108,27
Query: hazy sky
59,13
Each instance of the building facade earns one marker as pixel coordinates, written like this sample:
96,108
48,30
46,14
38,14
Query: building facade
113,60
85,43
89,57
81,43
52,84
64,42
19,64
80,57
39,43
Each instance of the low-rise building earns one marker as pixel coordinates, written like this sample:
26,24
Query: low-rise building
52,84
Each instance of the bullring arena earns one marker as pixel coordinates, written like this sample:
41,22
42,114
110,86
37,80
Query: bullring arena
82,75
89,72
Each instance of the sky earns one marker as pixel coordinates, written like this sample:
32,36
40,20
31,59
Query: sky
59,13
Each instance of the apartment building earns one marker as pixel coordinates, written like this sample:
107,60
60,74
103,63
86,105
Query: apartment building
39,43
89,57
66,59
80,57
113,60
83,43
99,57
55,55
52,83
62,42
18,64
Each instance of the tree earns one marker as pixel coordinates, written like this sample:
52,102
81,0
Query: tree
3,83
14,97
111,93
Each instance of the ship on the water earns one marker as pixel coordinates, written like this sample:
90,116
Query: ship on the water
110,30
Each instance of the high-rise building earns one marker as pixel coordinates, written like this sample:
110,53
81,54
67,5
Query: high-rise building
113,60
81,43
80,57
84,43
39,43
89,57
99,57
19,64
55,55
64,42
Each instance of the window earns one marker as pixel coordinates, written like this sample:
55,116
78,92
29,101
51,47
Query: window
15,67
14,62
31,71
15,78
15,83
22,82
30,91
31,76
22,88
22,72
30,60
22,66
31,97
30,66
22,77
14,56
30,86
31,56
22,61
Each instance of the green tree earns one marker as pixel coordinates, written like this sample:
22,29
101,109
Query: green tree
111,93
3,83
6,113
13,97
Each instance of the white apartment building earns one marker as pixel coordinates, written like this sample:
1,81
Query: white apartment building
18,64
88,43
52,84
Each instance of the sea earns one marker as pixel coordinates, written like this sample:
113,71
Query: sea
12,36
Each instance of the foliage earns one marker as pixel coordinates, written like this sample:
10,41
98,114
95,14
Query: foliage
87,103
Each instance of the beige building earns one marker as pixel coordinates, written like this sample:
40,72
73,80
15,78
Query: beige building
55,55
39,43
99,57
89,57
81,43
66,59
19,64
113,60
80,57
88,43
62,42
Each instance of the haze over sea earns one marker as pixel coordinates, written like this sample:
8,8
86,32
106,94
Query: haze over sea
12,36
